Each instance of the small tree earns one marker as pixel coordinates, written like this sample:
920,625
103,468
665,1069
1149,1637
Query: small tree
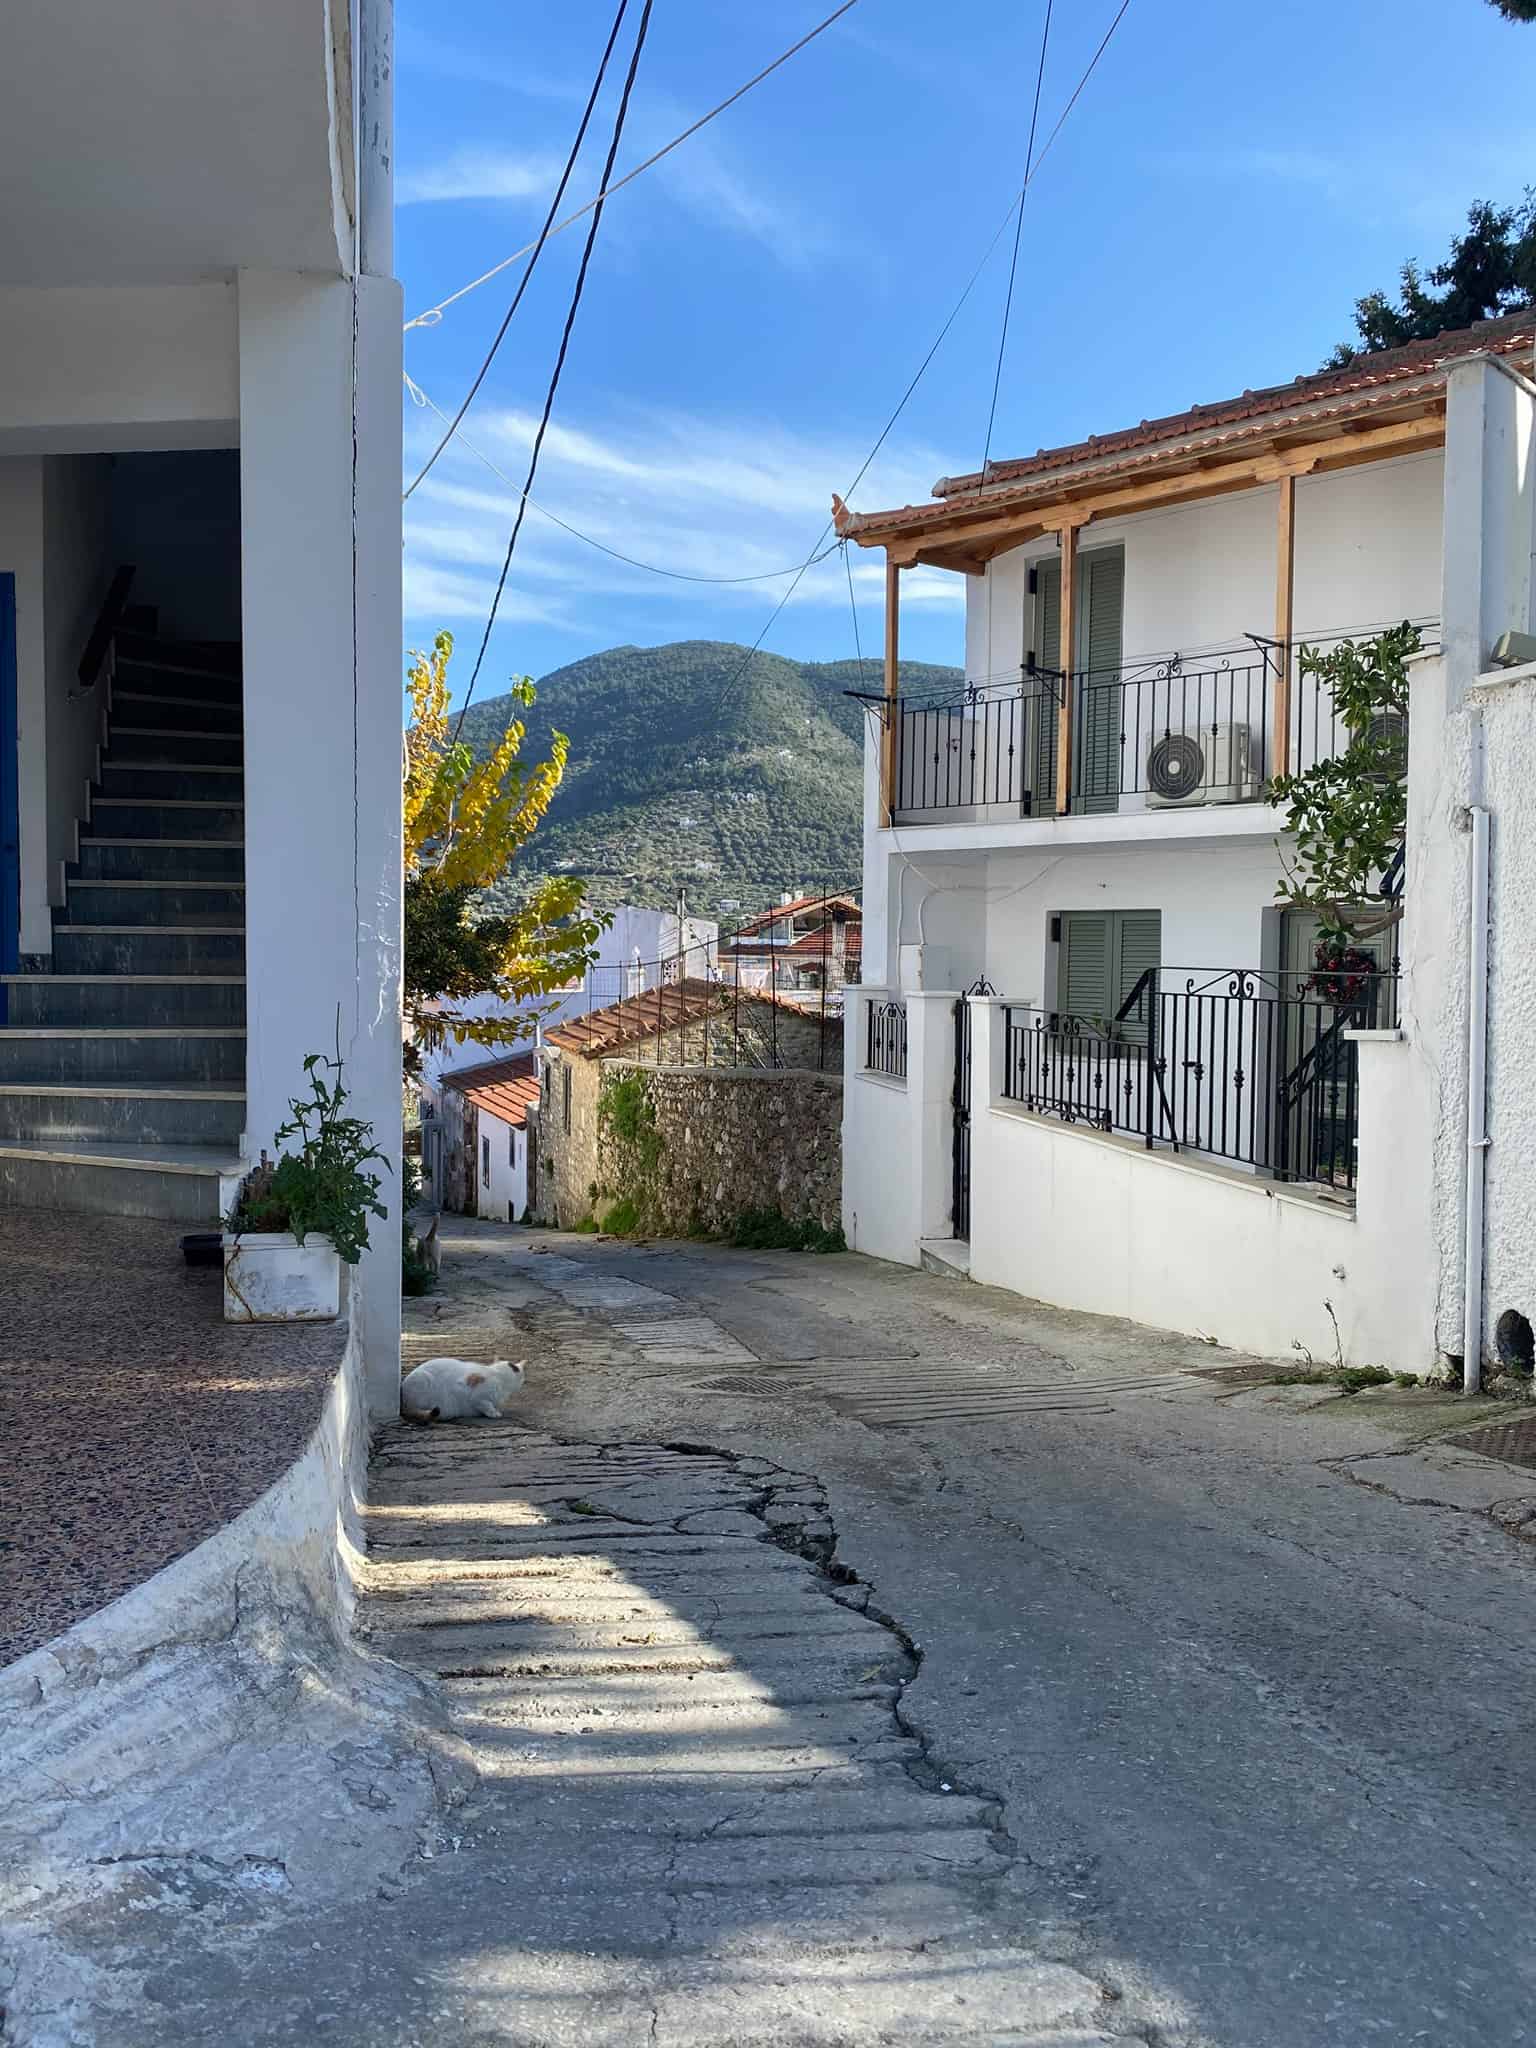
1347,815
1491,269
465,824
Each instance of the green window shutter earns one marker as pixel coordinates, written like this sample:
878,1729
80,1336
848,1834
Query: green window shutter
1104,953
1139,937
1096,774
1084,983
1042,636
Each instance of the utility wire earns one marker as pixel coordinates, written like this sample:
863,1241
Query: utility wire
434,314
1018,230
1034,172
419,397
537,249
565,342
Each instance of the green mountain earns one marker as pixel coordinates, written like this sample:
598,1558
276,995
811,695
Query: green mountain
692,766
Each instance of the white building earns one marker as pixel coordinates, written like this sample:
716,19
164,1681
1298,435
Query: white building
640,949
1163,1112
200,358
475,1149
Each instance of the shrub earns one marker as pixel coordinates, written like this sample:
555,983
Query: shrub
322,1188
770,1230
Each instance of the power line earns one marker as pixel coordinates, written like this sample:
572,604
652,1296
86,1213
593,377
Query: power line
419,397
565,342
1018,231
1033,173
538,247
434,314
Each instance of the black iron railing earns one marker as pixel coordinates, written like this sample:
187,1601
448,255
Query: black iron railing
1255,1069
1168,733
885,1039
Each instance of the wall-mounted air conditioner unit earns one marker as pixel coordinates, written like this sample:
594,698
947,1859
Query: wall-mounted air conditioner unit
1202,764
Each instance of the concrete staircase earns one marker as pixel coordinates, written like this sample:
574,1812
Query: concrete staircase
122,1067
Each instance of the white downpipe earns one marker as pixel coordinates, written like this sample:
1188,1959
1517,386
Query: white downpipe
1477,1109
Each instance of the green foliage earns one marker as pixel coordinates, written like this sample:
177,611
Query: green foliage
626,1112
677,758
1491,269
1515,10
321,1188
623,1219
1347,814
587,1227
416,1275
769,1230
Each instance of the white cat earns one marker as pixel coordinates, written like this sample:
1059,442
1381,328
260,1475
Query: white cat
457,1389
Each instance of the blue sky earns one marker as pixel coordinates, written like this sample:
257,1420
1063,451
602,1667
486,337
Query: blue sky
1231,180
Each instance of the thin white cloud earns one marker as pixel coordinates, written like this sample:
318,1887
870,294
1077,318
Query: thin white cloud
702,497
483,174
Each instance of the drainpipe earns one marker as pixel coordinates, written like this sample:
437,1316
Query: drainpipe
1477,1087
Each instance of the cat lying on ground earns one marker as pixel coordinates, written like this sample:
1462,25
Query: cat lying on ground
458,1389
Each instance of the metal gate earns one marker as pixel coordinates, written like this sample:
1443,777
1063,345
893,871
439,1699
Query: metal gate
960,1104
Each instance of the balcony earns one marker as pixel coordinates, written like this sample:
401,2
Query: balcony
1163,736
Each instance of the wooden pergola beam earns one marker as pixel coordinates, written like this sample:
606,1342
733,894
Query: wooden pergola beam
1285,597
985,533
888,737
1066,664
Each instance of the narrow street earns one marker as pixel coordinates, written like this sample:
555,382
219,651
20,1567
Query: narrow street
825,1653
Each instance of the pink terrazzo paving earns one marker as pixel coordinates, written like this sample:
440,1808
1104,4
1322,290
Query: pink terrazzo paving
134,1421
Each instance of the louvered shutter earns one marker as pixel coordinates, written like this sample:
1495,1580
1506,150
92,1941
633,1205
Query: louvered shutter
1084,982
1138,945
1043,637
1096,772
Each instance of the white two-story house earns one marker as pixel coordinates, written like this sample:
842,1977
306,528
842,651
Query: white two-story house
1097,1061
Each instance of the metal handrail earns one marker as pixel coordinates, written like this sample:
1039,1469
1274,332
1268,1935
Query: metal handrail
104,632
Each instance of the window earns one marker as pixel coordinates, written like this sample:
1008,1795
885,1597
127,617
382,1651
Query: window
485,1162
565,1098
1103,955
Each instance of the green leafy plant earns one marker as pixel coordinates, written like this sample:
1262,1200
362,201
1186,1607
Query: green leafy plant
623,1219
1347,814
770,1230
322,1188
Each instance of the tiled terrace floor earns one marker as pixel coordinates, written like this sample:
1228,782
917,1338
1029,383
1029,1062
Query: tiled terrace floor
134,1421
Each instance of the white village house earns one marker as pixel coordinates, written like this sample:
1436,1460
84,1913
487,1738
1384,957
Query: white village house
1094,1061
200,361
480,1138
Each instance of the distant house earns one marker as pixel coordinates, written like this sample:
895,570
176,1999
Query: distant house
475,1150
694,1023
805,946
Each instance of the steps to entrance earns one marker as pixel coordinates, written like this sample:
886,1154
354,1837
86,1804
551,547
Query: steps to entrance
122,1070
948,1257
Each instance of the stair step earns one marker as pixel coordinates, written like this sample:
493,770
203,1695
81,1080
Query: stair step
167,1114
218,658
171,817
163,677
167,782
204,905
144,1000
181,1183
125,1056
141,708
177,748
114,949
165,860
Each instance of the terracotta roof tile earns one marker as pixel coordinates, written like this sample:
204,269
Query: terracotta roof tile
638,1018
507,1087
1368,383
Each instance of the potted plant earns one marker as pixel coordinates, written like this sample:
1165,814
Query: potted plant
297,1221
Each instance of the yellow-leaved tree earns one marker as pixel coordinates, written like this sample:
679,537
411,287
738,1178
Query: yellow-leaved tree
466,821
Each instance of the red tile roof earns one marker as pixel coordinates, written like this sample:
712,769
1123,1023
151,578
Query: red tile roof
506,1088
798,908
1369,383
637,1018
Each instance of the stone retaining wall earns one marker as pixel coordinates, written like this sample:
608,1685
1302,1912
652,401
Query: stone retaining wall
733,1139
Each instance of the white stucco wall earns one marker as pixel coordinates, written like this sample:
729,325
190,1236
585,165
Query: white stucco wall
320,597
76,571
90,368
1199,577
506,1187
21,555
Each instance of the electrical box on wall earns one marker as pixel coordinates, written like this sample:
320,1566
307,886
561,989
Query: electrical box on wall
926,968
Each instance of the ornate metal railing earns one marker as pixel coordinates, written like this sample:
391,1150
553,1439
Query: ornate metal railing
1255,1069
885,1039
1166,733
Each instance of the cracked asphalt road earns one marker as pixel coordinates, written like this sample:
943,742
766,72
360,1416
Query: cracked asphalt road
831,1654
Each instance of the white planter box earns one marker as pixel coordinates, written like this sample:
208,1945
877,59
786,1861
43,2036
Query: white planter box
269,1277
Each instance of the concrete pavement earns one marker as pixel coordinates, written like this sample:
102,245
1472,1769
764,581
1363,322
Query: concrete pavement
1140,1700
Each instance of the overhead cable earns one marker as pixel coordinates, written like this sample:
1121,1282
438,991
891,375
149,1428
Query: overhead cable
434,314
1018,231
554,381
537,248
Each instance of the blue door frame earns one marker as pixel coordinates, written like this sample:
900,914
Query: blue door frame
10,807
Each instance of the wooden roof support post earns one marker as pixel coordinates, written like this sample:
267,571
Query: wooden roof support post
1285,592
889,735
1065,662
